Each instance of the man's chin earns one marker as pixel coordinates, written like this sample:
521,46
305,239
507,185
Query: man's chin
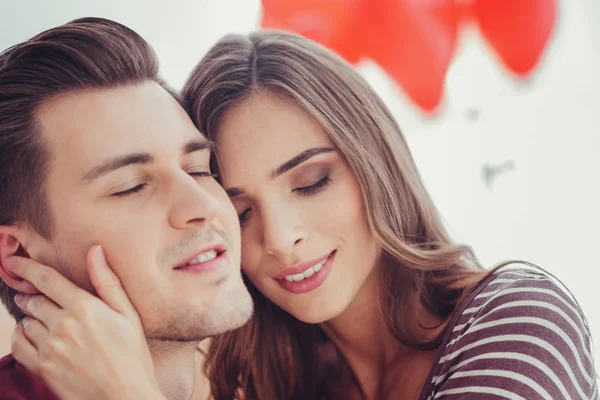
232,318
193,323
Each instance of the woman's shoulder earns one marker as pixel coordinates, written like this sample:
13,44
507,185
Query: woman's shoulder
521,331
520,291
519,299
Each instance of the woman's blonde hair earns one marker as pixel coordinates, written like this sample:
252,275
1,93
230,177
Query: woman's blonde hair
275,356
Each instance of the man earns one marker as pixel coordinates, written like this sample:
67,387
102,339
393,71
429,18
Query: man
95,150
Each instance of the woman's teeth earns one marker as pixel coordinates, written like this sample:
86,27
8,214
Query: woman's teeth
206,256
306,274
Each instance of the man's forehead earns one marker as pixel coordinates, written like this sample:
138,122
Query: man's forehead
119,107
88,125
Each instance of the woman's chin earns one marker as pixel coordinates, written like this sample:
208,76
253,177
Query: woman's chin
315,315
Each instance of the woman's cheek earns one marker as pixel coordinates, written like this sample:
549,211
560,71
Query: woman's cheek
340,205
250,258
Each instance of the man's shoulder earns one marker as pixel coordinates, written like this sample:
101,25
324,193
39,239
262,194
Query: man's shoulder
6,363
16,383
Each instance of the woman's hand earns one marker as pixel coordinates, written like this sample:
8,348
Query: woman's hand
83,347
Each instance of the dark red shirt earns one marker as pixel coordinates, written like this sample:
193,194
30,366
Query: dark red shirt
16,383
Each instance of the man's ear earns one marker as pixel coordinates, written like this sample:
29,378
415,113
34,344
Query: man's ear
11,246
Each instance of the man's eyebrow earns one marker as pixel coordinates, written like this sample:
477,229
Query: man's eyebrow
142,158
299,159
198,145
116,163
286,166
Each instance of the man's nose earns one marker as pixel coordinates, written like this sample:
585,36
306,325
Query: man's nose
193,203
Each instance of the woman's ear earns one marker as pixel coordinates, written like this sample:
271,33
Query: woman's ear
10,247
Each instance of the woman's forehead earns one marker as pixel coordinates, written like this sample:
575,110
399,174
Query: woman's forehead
266,130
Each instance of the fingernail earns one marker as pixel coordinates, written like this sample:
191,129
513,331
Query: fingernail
19,298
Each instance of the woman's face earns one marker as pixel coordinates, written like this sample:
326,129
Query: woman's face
306,244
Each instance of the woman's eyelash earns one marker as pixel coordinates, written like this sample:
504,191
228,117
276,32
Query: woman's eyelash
305,191
314,188
243,216
129,191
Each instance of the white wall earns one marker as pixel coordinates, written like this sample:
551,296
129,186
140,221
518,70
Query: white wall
545,208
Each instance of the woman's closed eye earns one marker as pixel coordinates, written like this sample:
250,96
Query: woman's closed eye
304,191
315,187
244,216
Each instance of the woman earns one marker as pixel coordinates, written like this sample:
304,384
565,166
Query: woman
359,291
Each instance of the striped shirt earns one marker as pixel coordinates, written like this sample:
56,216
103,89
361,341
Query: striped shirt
520,335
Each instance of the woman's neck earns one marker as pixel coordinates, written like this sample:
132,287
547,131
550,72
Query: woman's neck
363,338
371,351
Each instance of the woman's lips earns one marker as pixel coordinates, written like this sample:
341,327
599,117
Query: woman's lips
300,268
314,279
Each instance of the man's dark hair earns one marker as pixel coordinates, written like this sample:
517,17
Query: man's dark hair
87,53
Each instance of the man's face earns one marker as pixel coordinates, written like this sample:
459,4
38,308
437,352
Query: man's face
130,172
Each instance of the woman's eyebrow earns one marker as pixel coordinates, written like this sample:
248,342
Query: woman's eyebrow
299,159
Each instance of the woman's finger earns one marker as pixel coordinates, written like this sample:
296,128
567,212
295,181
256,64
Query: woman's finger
48,281
35,332
23,351
40,307
107,284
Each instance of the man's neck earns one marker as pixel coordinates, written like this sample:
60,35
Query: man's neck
174,366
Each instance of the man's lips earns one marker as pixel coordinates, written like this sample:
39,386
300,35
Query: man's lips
219,247
301,267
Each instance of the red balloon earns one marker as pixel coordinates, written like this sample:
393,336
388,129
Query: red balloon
329,22
518,30
414,42
331,9
447,12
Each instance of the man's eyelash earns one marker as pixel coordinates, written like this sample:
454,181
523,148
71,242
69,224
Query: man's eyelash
129,191
139,187
203,173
